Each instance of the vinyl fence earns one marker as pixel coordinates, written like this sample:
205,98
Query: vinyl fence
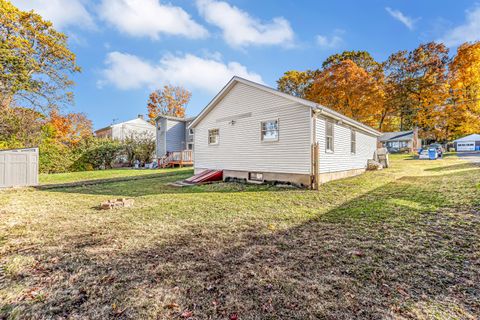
18,167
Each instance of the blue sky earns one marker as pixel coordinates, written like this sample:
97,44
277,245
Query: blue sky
127,48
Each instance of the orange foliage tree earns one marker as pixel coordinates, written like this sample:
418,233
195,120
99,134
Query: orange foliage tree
349,89
169,101
70,128
423,88
464,108
427,88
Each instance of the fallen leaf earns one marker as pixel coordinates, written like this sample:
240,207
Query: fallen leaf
402,292
357,253
172,305
187,314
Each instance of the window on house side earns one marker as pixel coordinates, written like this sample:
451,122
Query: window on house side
353,142
213,136
329,136
190,131
269,130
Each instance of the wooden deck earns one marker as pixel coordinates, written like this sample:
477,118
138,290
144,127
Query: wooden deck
176,158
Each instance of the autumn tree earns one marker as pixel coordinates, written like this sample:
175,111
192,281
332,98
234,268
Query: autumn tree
297,83
349,89
20,127
35,61
463,111
419,78
169,101
70,128
363,59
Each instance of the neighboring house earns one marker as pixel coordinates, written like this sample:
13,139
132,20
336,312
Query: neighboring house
123,130
255,133
468,143
173,135
401,141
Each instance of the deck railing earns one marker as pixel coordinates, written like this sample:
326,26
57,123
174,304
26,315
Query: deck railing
180,158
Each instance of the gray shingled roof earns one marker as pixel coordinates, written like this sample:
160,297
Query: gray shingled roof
399,135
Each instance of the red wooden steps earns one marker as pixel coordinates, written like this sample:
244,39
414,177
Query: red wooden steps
206,176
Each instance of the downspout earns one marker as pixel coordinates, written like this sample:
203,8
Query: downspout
315,159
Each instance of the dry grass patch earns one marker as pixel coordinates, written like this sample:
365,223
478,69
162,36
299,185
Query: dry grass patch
399,243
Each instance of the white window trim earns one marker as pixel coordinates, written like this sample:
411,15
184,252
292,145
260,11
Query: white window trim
261,131
218,137
333,136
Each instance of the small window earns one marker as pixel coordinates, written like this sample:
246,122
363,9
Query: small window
270,130
353,141
329,136
213,136
255,176
190,131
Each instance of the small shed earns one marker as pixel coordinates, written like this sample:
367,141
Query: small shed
18,167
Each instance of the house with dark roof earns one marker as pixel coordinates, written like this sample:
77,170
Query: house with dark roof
400,141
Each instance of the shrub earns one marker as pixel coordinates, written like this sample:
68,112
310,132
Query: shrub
54,157
140,147
102,155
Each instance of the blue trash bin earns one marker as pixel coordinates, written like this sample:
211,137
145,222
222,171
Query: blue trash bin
432,153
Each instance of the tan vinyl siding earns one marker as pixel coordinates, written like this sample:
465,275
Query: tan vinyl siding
342,158
240,145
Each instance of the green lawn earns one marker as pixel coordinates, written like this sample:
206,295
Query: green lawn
402,243
58,178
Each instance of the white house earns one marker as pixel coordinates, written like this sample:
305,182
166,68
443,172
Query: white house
121,131
255,133
467,143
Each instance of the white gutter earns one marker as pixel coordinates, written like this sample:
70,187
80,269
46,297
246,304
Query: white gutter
345,119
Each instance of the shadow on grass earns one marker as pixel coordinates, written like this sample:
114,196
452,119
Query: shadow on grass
159,184
397,251
94,182
454,167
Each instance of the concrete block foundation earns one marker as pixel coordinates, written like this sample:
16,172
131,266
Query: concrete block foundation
300,180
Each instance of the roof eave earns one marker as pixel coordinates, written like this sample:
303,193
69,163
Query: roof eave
345,119
301,101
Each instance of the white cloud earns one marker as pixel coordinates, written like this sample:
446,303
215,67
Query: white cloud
62,13
329,42
126,71
469,31
240,29
150,18
398,15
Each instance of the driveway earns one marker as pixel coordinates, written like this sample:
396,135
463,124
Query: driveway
470,156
